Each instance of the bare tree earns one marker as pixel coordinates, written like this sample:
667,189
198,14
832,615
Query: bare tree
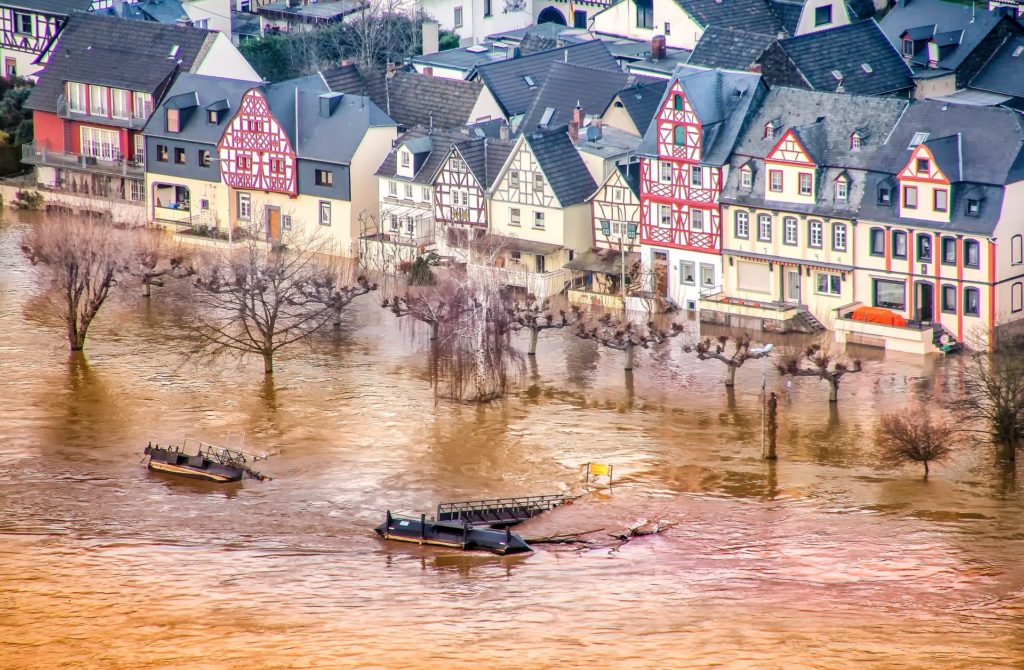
443,304
259,299
818,360
993,393
715,349
85,261
536,316
914,437
626,336
152,262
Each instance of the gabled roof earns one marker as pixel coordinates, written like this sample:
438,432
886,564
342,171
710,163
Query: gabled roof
411,99
752,15
641,101
439,145
729,48
485,157
204,93
566,86
509,80
788,13
857,55
925,19
565,171
721,99
630,173
162,11
1004,71
53,7
108,51
813,137
948,155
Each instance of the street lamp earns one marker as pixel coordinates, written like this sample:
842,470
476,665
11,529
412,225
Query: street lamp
631,230
763,353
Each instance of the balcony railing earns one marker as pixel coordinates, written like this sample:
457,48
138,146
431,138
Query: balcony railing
34,154
132,122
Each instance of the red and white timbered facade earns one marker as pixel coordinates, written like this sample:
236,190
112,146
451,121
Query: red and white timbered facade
616,208
255,152
679,196
458,196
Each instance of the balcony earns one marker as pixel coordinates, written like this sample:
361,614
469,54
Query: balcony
541,284
913,337
132,122
33,154
770,315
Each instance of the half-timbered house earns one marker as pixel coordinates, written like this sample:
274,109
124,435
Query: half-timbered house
683,163
539,212
27,27
103,78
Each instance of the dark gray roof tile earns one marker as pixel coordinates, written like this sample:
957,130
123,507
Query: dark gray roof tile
729,48
566,173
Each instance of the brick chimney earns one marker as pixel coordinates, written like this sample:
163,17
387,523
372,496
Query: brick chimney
576,123
658,48
754,67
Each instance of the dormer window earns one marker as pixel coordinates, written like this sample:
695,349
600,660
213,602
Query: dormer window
855,142
923,166
746,177
769,130
884,196
406,162
173,121
940,200
908,47
822,15
973,207
842,188
213,117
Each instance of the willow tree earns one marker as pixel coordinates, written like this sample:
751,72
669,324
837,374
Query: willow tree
717,349
257,299
626,336
821,361
993,393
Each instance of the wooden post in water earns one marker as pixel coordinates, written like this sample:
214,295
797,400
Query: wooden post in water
773,425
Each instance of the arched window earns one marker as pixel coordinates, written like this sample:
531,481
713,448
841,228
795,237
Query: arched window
679,138
1017,250
972,302
677,102
972,253
1016,297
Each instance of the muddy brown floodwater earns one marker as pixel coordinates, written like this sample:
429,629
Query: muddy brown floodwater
823,561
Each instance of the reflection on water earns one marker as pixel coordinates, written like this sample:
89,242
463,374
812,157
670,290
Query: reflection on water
822,560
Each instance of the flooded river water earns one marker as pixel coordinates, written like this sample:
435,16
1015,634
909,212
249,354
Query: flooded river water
825,560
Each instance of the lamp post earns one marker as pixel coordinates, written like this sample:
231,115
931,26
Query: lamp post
763,353
631,230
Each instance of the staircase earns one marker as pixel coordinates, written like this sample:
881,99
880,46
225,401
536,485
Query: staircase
806,322
947,344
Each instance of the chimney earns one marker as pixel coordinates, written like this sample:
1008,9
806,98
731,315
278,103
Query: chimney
328,103
503,131
658,48
346,62
512,52
576,123
430,37
598,126
428,71
754,67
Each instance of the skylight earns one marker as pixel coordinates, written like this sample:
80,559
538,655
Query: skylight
837,75
529,81
866,67
1018,51
548,113
918,139
477,49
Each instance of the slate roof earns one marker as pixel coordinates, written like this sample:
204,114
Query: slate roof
641,102
411,99
729,48
507,79
53,7
109,51
722,100
206,93
631,175
751,15
483,156
824,123
162,11
1004,71
847,49
928,18
788,13
566,173
568,85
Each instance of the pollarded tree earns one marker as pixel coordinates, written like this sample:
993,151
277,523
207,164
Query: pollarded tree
536,316
153,262
445,303
716,349
914,437
257,299
818,360
626,336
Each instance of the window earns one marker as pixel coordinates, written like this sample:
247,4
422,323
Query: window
877,245
410,225
22,23
393,223
828,284
101,143
393,189
775,180
815,235
513,179
666,216
408,191
687,270
244,163
899,244
884,196
707,275
910,197
406,158
742,220
244,207
142,105
842,189
98,100
541,265
538,220
948,298
764,227
514,217
487,8
666,172
579,20
668,28
179,156
644,13
805,183
746,177
120,103
325,213
855,142
697,219
1016,297
427,198
769,131
458,17
754,277
677,102
538,183
789,233
161,153
973,207
924,247
173,121
10,67
679,136
76,97
917,139
972,302
324,178
948,251
908,47
277,166
839,236
972,254
1016,250
697,177
923,166
941,199
213,117
890,294
823,15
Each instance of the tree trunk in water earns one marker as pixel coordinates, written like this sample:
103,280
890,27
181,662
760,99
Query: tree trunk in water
76,339
630,356
533,342
730,375
268,362
146,289
434,326
773,426
926,469
833,390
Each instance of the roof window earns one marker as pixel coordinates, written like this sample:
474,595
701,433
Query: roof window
918,139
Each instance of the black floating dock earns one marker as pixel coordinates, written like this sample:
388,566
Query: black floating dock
498,511
455,534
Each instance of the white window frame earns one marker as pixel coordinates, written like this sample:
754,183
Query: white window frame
697,220
741,221
100,143
815,234
515,217
457,17
746,177
244,207
764,227
842,189
538,220
120,103
805,179
833,283
99,105
839,237
666,172
790,233
325,213
393,189
76,97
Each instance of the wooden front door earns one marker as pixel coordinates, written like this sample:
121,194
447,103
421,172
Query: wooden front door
273,223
